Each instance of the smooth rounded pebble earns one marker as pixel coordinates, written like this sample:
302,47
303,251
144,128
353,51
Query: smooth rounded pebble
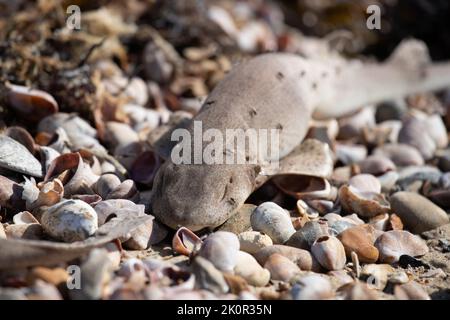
253,241
395,243
417,213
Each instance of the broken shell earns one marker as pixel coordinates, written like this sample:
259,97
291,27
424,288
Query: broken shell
105,184
398,277
70,220
306,236
249,269
410,291
15,157
55,276
50,193
11,194
221,249
31,104
185,241
272,220
48,155
377,274
329,252
24,217
414,133
132,267
312,287
253,241
116,208
365,204
417,213
302,258
304,187
281,268
401,154
208,277
365,183
360,239
395,243
144,168
376,165
22,136
140,237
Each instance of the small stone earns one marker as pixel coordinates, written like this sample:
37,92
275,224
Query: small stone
240,221
249,269
410,291
30,231
274,221
208,277
281,268
70,220
417,213
401,154
305,237
329,252
253,241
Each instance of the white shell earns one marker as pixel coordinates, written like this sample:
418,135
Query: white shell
221,249
70,220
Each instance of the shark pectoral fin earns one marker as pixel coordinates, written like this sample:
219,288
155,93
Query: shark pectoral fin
412,55
311,158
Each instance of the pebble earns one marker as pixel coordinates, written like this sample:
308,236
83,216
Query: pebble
281,268
360,239
417,213
221,249
377,274
410,291
208,277
302,258
274,221
253,241
376,165
70,220
401,154
310,232
240,221
249,269
312,287
329,252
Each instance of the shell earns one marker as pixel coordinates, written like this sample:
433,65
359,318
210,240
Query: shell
2,232
253,241
29,231
70,220
144,168
365,183
281,268
24,217
305,237
395,243
15,157
221,249
365,204
31,104
140,237
312,287
329,252
50,193
185,241
126,190
304,187
360,239
249,269
23,137
357,291
303,258
380,222
272,220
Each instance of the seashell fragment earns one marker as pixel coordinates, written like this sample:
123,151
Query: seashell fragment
29,231
126,190
365,183
249,269
417,213
365,204
281,268
253,241
329,252
377,274
185,241
31,104
105,184
312,287
221,249
70,220
360,239
15,157
357,291
272,220
395,243
24,217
